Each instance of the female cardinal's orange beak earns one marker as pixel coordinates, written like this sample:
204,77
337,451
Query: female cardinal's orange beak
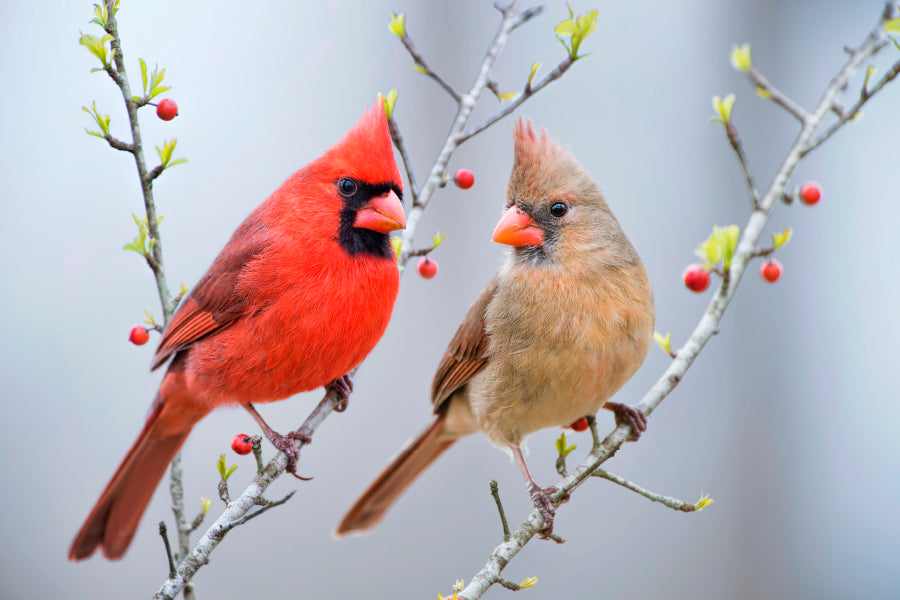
383,214
517,229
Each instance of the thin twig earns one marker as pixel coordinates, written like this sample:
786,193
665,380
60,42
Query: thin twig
672,503
164,534
256,444
851,113
735,141
423,66
704,330
265,506
397,138
776,96
527,93
495,492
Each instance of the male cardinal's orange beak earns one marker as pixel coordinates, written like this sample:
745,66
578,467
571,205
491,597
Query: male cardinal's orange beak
517,229
383,214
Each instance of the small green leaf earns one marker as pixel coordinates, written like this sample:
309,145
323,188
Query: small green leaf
763,93
562,448
397,245
165,154
664,342
143,75
781,238
97,47
719,247
534,70
727,238
527,583
507,96
231,470
389,101
398,24
577,30
438,239
892,26
741,58
420,68
723,108
149,319
869,72
220,466
703,502
205,503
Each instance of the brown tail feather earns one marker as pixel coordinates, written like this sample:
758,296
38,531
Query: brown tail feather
372,505
114,519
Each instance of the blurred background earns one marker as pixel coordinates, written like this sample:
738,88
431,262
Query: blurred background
788,418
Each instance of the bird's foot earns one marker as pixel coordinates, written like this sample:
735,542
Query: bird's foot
342,387
285,443
541,498
626,415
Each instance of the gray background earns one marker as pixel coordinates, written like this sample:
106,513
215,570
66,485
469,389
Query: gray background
788,418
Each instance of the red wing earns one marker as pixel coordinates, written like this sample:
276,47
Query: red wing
215,302
467,353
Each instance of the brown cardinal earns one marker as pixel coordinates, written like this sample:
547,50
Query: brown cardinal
564,324
297,298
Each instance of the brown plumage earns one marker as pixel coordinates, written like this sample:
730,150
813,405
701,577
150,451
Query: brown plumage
565,323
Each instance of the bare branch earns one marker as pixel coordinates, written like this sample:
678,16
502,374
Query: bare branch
776,96
397,138
527,93
738,148
425,69
852,113
672,503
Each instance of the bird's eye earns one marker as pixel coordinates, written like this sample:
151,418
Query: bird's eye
347,187
559,209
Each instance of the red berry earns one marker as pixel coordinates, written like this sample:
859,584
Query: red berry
579,425
771,270
241,444
696,278
166,110
464,179
810,193
427,268
138,335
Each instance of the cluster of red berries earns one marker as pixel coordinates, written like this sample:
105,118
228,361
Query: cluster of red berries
696,276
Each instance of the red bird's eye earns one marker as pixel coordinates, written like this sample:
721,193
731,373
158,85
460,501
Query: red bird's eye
347,187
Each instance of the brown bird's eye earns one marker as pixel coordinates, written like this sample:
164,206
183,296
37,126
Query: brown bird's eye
559,209
347,187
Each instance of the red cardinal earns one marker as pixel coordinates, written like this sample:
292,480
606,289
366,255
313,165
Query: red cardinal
298,297
564,324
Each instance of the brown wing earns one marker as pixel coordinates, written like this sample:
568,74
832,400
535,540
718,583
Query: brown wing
215,302
467,353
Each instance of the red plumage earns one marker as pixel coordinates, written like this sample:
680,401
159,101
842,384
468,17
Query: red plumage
298,297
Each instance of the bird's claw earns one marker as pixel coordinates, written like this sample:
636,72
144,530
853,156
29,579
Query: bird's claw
627,415
285,443
342,387
541,498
